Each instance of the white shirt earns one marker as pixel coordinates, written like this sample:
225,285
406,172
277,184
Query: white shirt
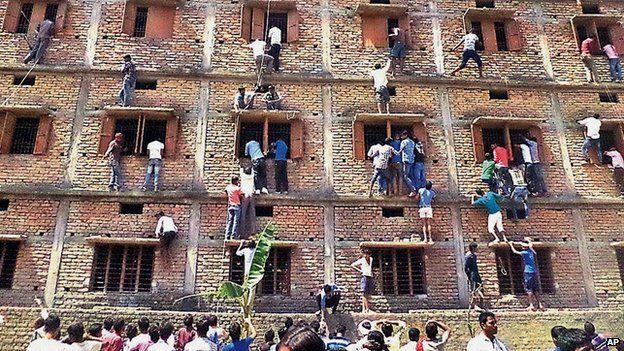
201,344
365,267
483,343
470,40
166,224
379,77
616,159
258,47
526,153
248,254
46,345
410,346
155,149
393,342
437,345
141,338
88,345
161,345
593,127
275,36
247,183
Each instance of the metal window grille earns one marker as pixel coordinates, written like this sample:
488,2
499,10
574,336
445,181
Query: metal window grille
619,255
122,268
140,21
479,32
24,135
154,129
276,279
513,281
129,127
373,134
491,136
501,36
392,23
51,11
399,271
249,131
8,259
280,130
279,20
24,18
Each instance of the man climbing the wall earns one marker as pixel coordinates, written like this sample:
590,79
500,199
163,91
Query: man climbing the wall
592,136
43,33
380,83
275,40
495,217
398,51
126,94
470,41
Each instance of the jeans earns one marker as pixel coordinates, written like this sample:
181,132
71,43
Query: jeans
382,176
395,173
589,142
38,49
281,175
274,51
115,175
153,166
518,201
408,175
273,105
126,94
330,302
618,177
419,179
264,60
615,68
260,175
535,172
233,219
247,226
506,180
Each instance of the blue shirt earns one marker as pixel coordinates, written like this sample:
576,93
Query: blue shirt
334,288
426,196
408,150
337,342
239,345
280,150
489,201
253,150
529,261
396,144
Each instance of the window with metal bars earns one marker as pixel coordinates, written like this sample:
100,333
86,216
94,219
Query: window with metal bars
399,271
125,268
279,20
8,260
510,271
604,35
374,134
140,21
51,11
138,132
24,17
619,255
501,36
277,131
276,279
255,131
493,136
24,135
479,32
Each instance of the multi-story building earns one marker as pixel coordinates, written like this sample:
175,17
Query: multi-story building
65,238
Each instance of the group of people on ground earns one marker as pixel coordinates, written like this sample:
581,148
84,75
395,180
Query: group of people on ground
575,339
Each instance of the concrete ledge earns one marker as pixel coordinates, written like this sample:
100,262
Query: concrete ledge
12,237
502,245
396,244
276,243
122,241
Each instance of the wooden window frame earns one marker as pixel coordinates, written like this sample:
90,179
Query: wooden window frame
591,23
487,17
160,20
296,131
14,7
418,129
107,131
7,128
516,281
253,20
6,264
374,24
120,289
377,253
274,255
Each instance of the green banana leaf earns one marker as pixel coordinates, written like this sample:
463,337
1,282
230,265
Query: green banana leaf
229,290
263,247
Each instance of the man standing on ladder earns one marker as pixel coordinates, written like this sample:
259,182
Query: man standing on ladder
45,31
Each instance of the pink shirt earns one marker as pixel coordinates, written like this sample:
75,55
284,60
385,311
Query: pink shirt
501,157
234,194
588,46
616,159
610,51
184,337
112,342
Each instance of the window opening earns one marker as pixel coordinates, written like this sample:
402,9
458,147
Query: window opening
479,32
250,131
501,36
279,20
389,212
264,211
130,208
24,18
123,268
140,21
8,260
400,272
24,135
51,12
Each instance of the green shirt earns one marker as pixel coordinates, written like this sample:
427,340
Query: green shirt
489,201
488,169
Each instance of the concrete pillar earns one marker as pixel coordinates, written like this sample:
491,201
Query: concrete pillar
447,124
438,45
560,129
92,33
200,136
543,41
588,277
328,152
326,35
209,37
329,251
56,252
190,270
76,137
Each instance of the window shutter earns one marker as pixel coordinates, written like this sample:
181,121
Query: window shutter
129,18
358,140
107,128
160,22
514,38
6,138
59,22
293,26
43,135
374,32
172,136
419,131
508,144
489,36
11,16
37,16
617,37
245,30
477,143
404,25
296,139
257,24
544,152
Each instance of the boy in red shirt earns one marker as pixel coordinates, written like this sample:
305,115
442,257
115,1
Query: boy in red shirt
234,194
501,157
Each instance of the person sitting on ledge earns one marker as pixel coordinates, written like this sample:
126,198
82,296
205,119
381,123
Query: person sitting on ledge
242,100
272,99
329,296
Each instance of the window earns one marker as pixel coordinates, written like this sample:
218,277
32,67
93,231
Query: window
264,211
392,23
23,17
139,130
146,84
619,254
253,128
369,133
496,29
4,204
510,271
126,268
378,22
389,212
611,135
255,22
276,279
484,3
155,21
485,133
591,9
609,98
479,32
501,36
24,80
499,95
8,260
379,1
374,134
130,208
399,271
606,28
24,135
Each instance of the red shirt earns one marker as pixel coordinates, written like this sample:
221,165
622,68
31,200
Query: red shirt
184,337
112,342
589,46
234,194
501,157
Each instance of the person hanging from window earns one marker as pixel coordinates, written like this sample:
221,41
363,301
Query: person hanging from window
272,99
398,51
275,40
247,224
365,266
590,47
487,173
495,217
501,157
234,195
260,56
43,34
475,284
531,279
280,150
615,66
592,136
328,297
126,94
154,164
425,198
381,155
519,195
380,83
242,100
395,169
258,163
525,164
536,168
617,164
166,229
419,178
246,249
115,148
407,153
470,52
